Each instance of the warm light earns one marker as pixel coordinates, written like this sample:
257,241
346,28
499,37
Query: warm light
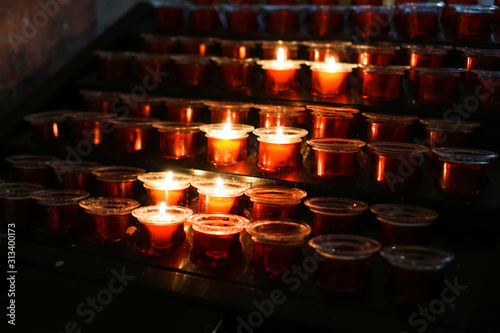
332,66
281,55
279,132
220,186
163,209
243,52
55,129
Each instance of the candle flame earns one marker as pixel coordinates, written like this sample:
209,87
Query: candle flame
281,57
242,52
331,64
163,209
55,130
279,131
227,127
220,186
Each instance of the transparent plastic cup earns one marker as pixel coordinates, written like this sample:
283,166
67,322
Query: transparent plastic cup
171,188
219,195
274,202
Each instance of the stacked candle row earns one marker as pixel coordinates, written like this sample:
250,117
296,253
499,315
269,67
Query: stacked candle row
414,20
216,239
380,81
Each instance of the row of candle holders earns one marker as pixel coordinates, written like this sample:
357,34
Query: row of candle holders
380,81
278,239
461,170
415,20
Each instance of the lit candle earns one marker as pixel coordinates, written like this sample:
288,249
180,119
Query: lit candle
279,148
160,229
330,78
226,143
280,75
108,219
168,187
220,195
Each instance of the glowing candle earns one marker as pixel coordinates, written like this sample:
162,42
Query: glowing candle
160,229
322,51
169,187
220,195
107,219
279,148
280,75
227,143
329,78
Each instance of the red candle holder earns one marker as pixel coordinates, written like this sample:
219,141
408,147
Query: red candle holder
385,127
335,216
425,56
171,188
192,69
335,158
148,107
448,15
159,44
49,127
345,262
226,143
282,20
151,68
277,247
178,140
442,133
326,20
421,20
16,205
184,110
118,181
242,19
371,21
235,74
280,76
279,148
114,66
438,86
329,78
90,126
216,239
105,102
462,171
205,20
396,164
270,49
382,83
237,49
374,55
169,17
403,224
331,122
479,59
366,2
488,87
228,112
220,195
473,22
415,272
107,219
201,46
133,134
322,51
32,168
59,210
75,175
160,229
274,202
278,115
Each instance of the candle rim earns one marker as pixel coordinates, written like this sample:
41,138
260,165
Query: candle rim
416,257
338,145
439,71
222,61
372,8
200,222
476,52
427,49
464,155
104,206
336,206
58,197
332,111
178,127
91,116
196,40
18,191
402,149
31,161
384,69
218,131
287,135
389,118
147,56
191,59
235,42
268,231
339,67
493,75
162,217
281,109
344,246
271,64
275,195
208,186
403,215
182,102
112,55
157,38
446,125
133,122
84,167
48,117
228,105
118,173
100,95
326,44
157,180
